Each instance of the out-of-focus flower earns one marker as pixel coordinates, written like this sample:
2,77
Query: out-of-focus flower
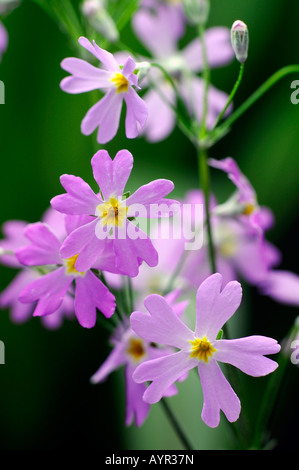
243,202
111,239
99,19
240,40
14,239
51,288
239,253
3,40
160,32
130,350
282,286
118,85
196,11
214,307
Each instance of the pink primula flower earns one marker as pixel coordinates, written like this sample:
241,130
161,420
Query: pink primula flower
50,289
15,238
243,202
129,350
111,240
118,85
214,307
160,29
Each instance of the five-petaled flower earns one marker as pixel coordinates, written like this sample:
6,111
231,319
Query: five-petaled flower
129,350
111,239
61,279
201,348
118,84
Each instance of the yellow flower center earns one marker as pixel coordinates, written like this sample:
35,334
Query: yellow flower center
112,212
227,247
121,83
202,349
70,266
248,209
136,349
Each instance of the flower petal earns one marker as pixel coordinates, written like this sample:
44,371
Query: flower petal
115,360
248,354
163,372
105,57
112,175
214,307
49,290
217,394
44,249
91,294
137,113
79,199
135,405
106,114
162,325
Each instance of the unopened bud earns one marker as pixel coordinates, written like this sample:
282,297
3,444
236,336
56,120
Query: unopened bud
6,6
240,40
99,19
142,70
196,11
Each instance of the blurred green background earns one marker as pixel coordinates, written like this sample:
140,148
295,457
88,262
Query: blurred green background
46,400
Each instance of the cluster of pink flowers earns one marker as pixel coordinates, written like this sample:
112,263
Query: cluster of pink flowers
89,241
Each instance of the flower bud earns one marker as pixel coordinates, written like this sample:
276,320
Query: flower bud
240,40
142,70
6,6
196,11
99,19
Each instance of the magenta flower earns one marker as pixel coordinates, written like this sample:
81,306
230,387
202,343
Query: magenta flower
129,350
160,31
118,85
244,202
201,348
111,240
50,290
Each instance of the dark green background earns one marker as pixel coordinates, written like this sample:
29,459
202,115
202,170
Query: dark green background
46,401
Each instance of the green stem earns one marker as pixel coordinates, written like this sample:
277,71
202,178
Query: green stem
220,131
206,77
204,178
176,425
231,96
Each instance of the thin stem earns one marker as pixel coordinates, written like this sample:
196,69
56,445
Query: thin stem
204,178
206,77
176,272
231,96
222,130
186,443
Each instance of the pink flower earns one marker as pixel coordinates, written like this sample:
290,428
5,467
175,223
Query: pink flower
129,350
111,239
15,239
160,31
50,289
244,202
3,40
118,85
214,307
